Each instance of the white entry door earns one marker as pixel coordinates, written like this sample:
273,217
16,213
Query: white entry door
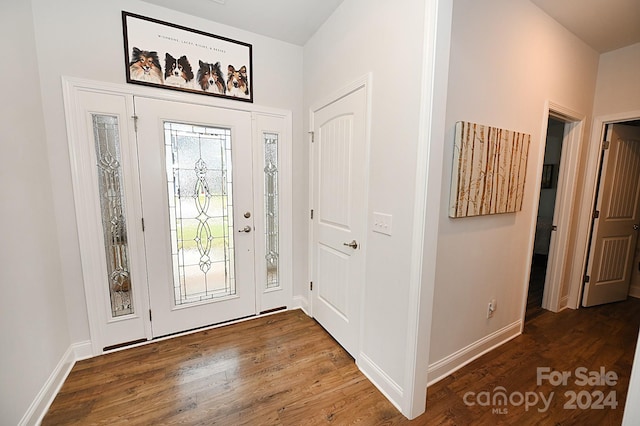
615,231
339,210
197,202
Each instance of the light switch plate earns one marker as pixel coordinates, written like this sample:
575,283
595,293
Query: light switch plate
382,223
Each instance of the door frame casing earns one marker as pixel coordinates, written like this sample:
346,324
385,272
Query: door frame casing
588,197
90,254
563,210
562,216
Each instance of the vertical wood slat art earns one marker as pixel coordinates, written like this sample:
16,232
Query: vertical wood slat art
489,169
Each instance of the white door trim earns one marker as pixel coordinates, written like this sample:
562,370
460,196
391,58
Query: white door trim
427,203
72,87
588,196
563,211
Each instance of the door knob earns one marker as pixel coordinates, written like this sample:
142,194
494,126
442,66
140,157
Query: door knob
245,229
636,226
353,244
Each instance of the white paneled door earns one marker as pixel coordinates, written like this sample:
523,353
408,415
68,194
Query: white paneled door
339,215
197,201
615,231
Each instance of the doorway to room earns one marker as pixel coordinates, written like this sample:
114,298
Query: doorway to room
545,224
613,251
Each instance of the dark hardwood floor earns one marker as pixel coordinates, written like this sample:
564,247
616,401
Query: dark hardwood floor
284,369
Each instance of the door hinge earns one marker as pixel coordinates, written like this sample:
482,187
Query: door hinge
135,123
312,214
149,314
586,279
143,224
313,136
596,214
311,285
605,145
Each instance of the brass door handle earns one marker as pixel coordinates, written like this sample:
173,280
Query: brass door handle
353,244
245,229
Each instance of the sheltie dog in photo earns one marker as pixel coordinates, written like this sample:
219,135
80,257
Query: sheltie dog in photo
237,82
210,78
177,72
145,66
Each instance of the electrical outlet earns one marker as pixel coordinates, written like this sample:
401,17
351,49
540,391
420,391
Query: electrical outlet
491,308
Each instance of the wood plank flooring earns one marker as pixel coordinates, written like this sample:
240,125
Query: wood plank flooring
284,369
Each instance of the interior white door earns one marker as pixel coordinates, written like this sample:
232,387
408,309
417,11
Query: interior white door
615,231
339,222
197,200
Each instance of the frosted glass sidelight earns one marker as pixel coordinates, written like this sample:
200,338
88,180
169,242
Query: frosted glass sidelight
271,208
107,143
199,176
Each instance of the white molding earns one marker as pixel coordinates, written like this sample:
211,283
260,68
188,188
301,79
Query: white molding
167,95
587,198
440,369
427,196
82,350
40,405
301,302
634,291
566,194
564,302
385,384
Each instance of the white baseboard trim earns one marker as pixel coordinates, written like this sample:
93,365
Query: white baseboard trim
38,408
82,350
634,291
440,369
301,302
385,384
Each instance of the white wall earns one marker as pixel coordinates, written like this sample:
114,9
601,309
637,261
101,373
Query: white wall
632,408
508,59
618,86
33,322
83,38
378,36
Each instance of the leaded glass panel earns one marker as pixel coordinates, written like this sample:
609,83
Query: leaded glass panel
107,144
271,208
199,175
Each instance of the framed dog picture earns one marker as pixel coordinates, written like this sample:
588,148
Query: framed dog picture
161,54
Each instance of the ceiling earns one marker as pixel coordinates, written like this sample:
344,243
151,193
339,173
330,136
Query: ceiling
603,24
293,21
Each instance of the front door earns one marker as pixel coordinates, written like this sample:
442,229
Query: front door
339,222
615,230
197,202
